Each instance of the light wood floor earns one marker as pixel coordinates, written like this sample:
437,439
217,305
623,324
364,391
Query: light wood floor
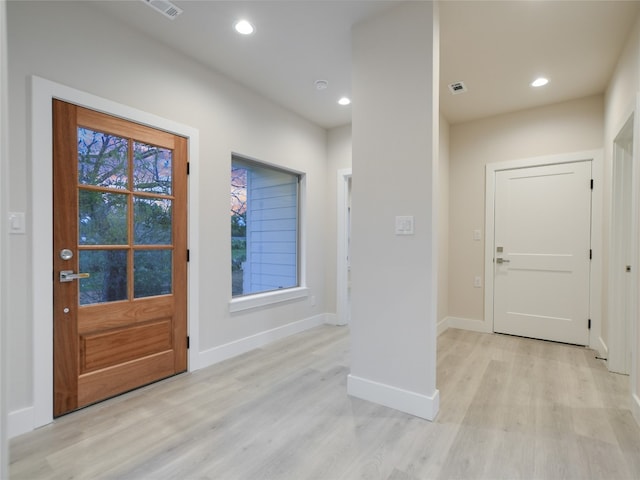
510,408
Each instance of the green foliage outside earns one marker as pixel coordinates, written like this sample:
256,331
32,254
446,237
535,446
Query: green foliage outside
238,241
103,218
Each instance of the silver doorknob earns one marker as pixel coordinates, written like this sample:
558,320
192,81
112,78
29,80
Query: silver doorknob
68,275
502,260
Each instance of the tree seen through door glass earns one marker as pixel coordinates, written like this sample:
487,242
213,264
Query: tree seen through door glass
152,168
152,273
102,159
102,218
152,221
108,280
123,184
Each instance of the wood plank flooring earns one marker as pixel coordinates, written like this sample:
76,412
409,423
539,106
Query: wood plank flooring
510,408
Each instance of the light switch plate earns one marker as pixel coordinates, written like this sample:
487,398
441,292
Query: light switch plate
404,225
17,223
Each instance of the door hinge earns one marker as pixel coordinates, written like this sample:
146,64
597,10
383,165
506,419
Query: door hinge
188,342
188,254
592,184
589,324
590,254
189,168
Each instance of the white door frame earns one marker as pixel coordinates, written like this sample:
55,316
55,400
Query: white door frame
595,156
621,300
635,264
343,304
43,91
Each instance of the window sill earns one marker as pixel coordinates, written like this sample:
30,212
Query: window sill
267,298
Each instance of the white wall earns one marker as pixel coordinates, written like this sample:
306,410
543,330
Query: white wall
62,42
395,151
4,137
560,128
620,102
443,224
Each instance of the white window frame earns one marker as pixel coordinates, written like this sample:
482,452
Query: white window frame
263,299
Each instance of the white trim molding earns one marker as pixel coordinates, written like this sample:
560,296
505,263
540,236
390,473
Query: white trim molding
623,235
43,92
635,324
243,345
332,319
603,351
343,304
420,405
258,300
443,326
20,421
472,324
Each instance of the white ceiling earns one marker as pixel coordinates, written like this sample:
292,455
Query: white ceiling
495,47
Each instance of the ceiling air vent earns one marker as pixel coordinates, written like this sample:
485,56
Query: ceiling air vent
457,87
168,9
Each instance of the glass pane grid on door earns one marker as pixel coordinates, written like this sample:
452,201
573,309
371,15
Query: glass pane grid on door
125,224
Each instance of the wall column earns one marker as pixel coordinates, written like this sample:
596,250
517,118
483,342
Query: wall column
395,147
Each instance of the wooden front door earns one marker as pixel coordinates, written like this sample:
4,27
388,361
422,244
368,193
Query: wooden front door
120,256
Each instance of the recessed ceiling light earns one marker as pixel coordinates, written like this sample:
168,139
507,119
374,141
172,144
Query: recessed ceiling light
539,82
344,101
244,27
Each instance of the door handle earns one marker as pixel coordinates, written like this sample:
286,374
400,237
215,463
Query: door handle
502,260
68,276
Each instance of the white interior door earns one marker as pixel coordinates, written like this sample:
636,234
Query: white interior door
621,298
343,251
542,252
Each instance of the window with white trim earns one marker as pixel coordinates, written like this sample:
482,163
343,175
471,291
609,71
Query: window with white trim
264,227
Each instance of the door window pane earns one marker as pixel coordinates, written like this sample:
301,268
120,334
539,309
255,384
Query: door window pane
108,276
102,159
102,218
152,221
152,273
152,168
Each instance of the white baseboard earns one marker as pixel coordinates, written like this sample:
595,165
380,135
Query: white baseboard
442,326
602,349
243,345
635,407
19,422
417,404
469,324
332,319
